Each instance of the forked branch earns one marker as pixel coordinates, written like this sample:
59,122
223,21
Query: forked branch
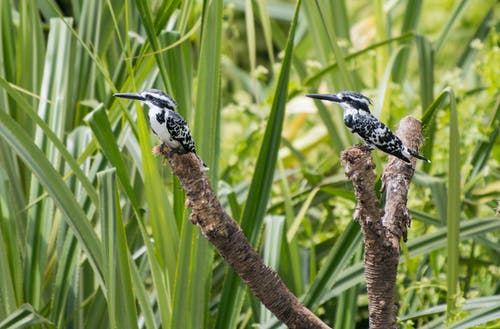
382,229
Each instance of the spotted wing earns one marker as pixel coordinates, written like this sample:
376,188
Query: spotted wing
179,131
375,133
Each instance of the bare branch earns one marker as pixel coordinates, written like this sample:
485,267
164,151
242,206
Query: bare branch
227,237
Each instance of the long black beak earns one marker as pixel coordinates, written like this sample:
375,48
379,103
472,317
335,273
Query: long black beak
130,96
326,97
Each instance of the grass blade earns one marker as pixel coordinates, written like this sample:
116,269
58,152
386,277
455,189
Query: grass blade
120,296
260,186
101,127
25,316
453,218
36,161
425,53
457,11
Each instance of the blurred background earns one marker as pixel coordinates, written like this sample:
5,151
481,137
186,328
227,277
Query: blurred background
93,228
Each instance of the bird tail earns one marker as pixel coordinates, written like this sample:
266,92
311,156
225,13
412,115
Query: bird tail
418,156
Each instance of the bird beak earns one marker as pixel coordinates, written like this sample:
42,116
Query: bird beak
326,97
139,97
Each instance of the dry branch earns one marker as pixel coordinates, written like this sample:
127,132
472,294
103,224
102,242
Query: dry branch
228,238
382,229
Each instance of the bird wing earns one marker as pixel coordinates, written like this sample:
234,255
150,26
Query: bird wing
379,135
179,131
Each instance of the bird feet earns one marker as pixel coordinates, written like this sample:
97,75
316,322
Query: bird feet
167,150
365,147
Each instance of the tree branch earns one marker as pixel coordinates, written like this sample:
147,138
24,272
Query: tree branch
228,238
382,229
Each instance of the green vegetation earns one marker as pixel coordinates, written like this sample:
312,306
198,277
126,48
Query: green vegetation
93,229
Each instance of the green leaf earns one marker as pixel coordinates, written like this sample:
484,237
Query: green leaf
410,21
25,316
326,40
260,186
120,295
453,215
336,262
101,127
426,70
455,15
481,317
73,214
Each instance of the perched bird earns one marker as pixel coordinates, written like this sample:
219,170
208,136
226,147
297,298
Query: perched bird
165,122
359,120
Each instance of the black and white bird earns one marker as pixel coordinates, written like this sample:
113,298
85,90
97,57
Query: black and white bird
360,121
166,123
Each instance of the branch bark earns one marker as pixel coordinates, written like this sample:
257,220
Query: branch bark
382,229
228,238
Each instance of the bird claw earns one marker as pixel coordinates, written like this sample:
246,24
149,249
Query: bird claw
166,150
156,150
365,147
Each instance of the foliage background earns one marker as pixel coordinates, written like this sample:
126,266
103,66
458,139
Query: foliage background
93,230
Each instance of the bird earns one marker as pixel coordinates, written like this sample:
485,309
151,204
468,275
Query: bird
360,121
166,123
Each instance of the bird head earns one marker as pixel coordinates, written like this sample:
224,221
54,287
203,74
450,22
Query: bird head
347,99
152,98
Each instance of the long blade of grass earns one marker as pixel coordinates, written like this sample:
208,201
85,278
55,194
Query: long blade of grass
382,27
36,161
144,10
258,195
101,127
67,262
143,298
290,261
453,215
29,39
25,316
260,187
266,26
206,131
271,253
317,77
251,43
472,228
207,114
425,53
482,151
53,138
120,295
326,40
467,57
334,276
336,261
429,122
345,313
7,41
455,15
178,60
7,272
478,318
163,225
54,86
383,92
410,22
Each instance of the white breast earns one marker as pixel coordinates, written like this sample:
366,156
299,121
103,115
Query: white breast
160,128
